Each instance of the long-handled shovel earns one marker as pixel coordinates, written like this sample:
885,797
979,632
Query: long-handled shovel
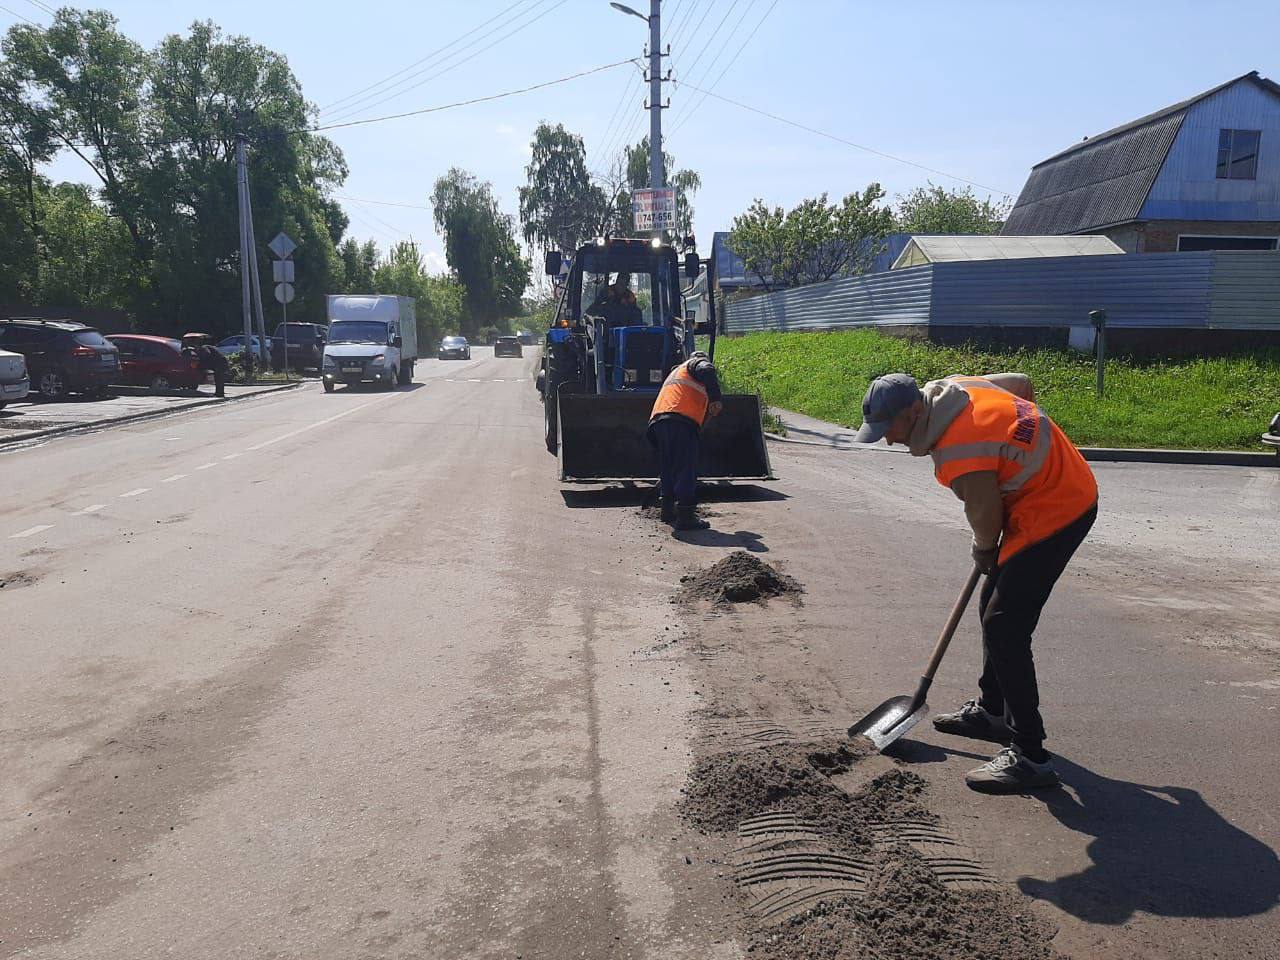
893,718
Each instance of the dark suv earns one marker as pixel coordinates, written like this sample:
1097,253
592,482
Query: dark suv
305,342
62,356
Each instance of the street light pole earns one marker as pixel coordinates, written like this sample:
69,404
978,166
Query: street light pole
656,178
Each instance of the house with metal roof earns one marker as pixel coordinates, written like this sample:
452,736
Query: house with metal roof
1203,174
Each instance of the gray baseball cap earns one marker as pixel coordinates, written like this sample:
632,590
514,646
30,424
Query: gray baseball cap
887,397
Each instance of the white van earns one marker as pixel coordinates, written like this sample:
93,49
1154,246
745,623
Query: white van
372,339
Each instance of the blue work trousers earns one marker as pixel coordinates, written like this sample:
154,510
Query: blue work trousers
677,441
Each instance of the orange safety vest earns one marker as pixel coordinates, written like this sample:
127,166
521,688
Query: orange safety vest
681,394
1044,481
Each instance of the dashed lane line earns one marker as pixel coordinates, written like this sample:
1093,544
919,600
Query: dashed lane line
31,531
320,423
139,491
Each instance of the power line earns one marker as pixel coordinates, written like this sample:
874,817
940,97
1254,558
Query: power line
677,29
617,112
615,143
692,108
383,203
465,103
378,219
849,143
351,96
723,44
355,109
712,38
41,5
15,13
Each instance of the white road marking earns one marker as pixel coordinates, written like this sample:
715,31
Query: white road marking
321,423
92,508
231,456
171,439
475,381
135,493
206,466
31,531
176,477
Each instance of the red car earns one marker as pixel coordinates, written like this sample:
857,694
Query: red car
156,362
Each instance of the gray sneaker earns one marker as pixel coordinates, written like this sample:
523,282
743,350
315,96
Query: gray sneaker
974,722
1009,771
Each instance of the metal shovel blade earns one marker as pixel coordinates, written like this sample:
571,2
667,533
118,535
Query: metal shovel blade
889,721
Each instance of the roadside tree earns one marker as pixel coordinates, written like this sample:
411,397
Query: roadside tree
480,247
932,209
815,241
560,208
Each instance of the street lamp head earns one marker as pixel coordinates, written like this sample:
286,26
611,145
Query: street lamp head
622,7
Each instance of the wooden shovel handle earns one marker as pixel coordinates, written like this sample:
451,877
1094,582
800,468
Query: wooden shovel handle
953,621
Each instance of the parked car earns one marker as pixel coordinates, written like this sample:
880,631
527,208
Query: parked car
234,346
526,338
14,382
306,346
62,356
156,362
507,347
455,348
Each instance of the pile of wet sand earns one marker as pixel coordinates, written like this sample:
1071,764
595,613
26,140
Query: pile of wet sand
906,912
726,788
738,578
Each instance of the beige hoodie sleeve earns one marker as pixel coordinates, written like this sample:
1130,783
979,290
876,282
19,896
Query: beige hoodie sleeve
983,506
1019,384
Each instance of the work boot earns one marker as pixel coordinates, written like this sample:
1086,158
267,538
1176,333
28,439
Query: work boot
668,509
687,519
974,722
1011,771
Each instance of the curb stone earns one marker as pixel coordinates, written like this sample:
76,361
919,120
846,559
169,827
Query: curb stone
145,415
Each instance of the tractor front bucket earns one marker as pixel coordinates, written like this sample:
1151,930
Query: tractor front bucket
602,437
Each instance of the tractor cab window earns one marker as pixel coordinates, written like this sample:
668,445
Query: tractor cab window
622,298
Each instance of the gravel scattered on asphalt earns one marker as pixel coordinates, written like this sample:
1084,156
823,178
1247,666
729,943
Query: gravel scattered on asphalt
738,578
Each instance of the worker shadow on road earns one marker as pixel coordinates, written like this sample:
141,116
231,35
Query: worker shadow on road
638,495
1161,850
742,539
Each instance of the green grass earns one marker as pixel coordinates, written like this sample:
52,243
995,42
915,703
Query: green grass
1206,404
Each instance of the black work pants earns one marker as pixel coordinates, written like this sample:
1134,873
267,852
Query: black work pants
677,441
1010,605
219,382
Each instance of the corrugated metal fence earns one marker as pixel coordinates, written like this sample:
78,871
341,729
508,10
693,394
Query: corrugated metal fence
1237,289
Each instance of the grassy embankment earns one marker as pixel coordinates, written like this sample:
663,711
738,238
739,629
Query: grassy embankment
1207,404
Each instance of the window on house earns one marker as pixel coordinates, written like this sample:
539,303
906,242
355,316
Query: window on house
1238,154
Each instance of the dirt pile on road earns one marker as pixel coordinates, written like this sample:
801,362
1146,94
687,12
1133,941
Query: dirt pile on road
726,788
905,911
738,578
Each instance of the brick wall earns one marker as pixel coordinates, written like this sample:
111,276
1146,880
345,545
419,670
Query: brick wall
1161,236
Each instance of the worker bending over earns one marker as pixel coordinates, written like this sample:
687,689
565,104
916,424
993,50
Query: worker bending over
690,394
1030,498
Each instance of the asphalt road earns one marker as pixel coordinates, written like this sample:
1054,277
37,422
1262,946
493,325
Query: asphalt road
350,676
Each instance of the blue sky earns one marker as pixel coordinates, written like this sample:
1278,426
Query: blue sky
981,90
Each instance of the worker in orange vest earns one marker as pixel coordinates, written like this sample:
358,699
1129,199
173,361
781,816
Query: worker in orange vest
689,395
1030,499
